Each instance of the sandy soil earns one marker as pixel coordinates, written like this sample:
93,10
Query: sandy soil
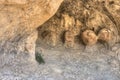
91,63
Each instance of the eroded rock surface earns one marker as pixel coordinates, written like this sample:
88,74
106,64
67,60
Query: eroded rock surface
80,15
19,20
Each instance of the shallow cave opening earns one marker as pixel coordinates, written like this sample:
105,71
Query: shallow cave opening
77,28
76,25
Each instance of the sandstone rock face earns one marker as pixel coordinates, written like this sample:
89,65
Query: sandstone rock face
19,20
78,16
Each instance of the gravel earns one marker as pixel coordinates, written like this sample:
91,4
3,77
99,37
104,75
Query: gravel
65,64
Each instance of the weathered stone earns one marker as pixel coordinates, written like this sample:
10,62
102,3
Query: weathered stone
89,37
69,39
105,35
79,15
68,21
20,18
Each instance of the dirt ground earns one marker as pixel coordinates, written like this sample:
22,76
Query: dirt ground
89,63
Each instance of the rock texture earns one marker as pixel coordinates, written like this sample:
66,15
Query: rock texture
78,16
19,20
89,37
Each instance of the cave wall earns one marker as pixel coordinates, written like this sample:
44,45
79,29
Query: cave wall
19,20
75,18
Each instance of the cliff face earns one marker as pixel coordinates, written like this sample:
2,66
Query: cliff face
19,20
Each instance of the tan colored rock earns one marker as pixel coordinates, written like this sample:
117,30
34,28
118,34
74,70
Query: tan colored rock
19,20
77,28
69,39
105,35
78,15
95,20
67,22
89,37
24,16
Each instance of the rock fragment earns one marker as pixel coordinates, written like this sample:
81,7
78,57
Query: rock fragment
89,37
